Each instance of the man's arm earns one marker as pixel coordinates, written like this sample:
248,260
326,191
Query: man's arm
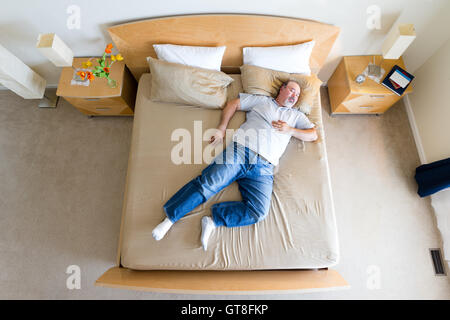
304,134
227,113
301,134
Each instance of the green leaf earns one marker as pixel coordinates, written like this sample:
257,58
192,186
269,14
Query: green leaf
112,83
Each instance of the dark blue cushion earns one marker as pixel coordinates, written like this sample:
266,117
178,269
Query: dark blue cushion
433,177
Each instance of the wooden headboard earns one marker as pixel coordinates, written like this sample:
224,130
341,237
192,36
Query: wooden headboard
135,40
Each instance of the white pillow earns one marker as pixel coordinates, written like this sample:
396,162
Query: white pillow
291,59
201,57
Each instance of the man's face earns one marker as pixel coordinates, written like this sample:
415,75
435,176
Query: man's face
289,94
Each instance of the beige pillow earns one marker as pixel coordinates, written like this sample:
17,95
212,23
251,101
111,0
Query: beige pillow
258,80
177,83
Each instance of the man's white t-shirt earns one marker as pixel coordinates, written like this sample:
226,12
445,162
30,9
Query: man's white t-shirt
257,132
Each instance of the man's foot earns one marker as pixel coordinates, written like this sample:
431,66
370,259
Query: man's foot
207,228
161,229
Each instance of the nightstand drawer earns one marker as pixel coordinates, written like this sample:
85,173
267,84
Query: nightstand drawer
369,103
100,106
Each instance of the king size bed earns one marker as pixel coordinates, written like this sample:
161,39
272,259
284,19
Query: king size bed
293,248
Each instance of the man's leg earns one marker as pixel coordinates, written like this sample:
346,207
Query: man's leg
214,178
256,189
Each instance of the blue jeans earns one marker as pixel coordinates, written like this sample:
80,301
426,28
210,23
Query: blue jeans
254,176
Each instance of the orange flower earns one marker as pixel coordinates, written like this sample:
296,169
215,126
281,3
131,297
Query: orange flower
108,48
82,74
90,76
106,69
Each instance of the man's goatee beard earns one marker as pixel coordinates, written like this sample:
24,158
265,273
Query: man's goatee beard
288,104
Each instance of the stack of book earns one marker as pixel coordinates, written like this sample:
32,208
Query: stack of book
397,80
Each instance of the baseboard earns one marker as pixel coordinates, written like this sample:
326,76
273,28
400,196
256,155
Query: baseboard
415,130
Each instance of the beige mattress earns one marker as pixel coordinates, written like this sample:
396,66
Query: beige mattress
298,233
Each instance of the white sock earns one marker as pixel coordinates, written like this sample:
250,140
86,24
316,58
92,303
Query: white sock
207,228
161,229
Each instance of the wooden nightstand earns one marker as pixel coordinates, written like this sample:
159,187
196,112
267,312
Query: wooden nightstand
370,97
98,98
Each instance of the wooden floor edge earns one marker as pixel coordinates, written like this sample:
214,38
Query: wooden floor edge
224,282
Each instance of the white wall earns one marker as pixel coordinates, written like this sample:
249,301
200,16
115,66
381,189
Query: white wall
430,105
429,111
21,21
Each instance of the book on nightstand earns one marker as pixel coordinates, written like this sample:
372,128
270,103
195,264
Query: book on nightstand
397,80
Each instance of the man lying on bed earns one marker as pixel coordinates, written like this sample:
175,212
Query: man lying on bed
249,160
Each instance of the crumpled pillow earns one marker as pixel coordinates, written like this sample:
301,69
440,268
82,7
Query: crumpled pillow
258,80
177,83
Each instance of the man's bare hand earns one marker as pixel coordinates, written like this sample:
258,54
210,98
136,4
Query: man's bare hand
217,137
281,126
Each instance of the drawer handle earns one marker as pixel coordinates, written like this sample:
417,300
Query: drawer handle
91,99
377,96
366,107
103,108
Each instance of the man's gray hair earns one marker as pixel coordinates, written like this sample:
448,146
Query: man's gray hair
284,84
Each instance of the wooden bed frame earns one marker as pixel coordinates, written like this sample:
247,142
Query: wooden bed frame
134,40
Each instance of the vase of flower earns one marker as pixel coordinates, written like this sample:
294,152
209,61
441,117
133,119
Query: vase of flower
102,70
81,77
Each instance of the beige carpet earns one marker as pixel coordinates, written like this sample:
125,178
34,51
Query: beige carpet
62,182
